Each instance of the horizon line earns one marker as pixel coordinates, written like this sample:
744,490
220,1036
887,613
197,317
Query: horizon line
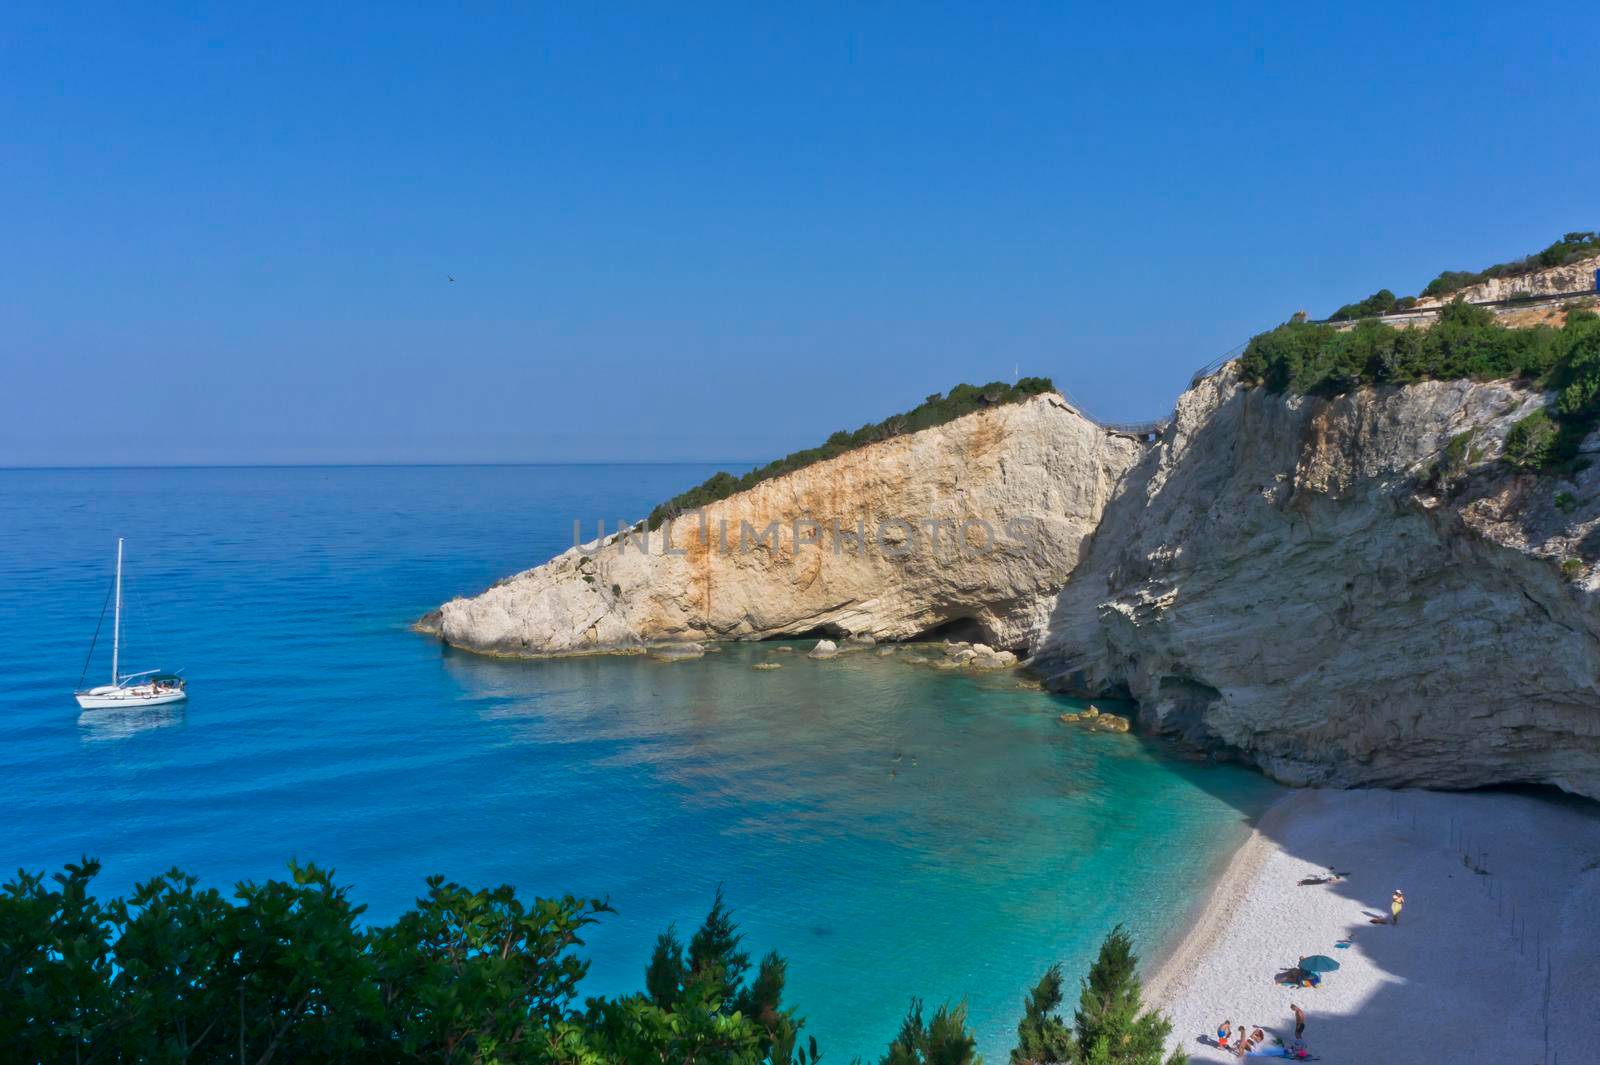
372,465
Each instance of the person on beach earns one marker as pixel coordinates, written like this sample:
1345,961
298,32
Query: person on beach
1396,901
1224,1033
1299,1021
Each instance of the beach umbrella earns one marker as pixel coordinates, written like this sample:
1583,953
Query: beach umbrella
1318,963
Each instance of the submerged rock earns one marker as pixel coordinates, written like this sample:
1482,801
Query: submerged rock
767,665
672,652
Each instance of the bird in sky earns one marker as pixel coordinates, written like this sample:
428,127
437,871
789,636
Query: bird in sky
452,280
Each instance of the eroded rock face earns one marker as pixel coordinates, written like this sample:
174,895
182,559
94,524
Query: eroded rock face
1036,472
1348,591
1574,277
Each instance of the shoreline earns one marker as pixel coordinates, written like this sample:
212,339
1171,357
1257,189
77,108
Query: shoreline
1168,973
1494,959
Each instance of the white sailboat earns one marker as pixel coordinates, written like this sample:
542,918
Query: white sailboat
136,690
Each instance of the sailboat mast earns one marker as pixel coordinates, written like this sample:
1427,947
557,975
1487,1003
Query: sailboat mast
116,623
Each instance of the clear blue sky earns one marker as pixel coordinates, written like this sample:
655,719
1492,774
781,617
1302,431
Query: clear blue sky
722,230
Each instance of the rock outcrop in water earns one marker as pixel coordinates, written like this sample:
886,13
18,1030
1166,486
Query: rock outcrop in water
975,523
1348,591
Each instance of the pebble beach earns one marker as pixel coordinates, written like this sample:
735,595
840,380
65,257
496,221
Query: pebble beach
1492,960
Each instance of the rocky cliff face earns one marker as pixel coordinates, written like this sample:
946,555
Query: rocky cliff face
1574,277
1348,591
976,523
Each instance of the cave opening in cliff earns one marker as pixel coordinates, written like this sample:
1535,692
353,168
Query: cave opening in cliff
960,630
821,632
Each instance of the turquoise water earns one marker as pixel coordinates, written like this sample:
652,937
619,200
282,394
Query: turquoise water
892,829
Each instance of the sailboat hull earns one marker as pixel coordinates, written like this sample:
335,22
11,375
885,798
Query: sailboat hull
128,698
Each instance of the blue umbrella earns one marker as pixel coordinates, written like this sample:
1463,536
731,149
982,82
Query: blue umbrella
1318,963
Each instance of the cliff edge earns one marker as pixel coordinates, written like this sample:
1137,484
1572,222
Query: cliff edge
1348,591
973,525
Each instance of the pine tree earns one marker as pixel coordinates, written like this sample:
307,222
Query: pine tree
1042,1034
665,975
945,1040
1109,1026
715,961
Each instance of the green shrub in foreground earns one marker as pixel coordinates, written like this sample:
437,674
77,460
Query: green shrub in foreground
285,971
1110,1026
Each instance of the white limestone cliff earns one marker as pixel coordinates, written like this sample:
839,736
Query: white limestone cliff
1037,472
1552,281
1348,591
1344,592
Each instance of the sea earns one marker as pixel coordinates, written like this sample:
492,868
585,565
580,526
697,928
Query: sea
893,830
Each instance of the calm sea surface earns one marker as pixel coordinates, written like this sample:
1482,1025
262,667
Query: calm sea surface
893,830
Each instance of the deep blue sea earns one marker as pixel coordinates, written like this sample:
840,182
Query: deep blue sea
892,829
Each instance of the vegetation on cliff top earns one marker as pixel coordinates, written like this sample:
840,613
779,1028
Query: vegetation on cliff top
287,972
1467,342
1571,248
935,410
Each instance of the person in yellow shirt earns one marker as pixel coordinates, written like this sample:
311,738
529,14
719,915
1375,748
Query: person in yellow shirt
1396,902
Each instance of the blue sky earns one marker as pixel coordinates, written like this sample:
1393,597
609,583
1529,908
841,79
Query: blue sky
721,231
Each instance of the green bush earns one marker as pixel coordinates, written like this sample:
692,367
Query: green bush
1467,342
933,411
286,972
1572,568
1531,441
1571,248
1381,302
